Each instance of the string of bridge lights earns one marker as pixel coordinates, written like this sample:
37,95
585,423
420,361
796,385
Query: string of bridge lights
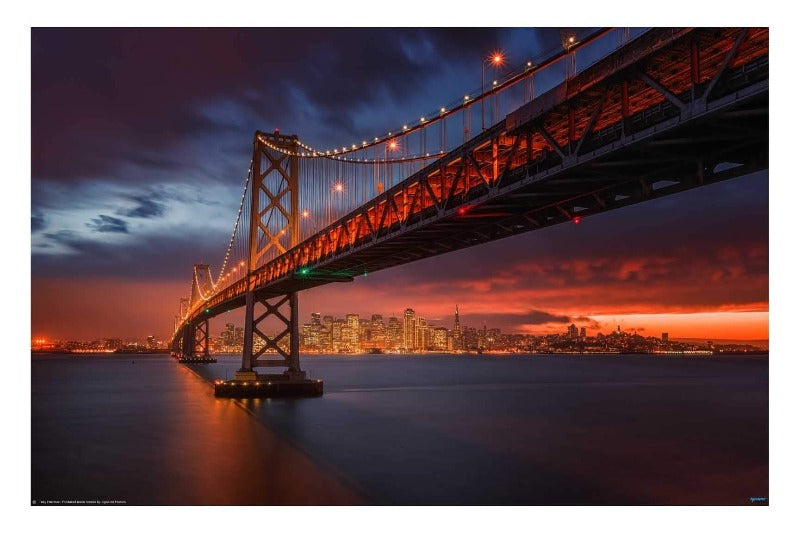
221,276
235,229
199,289
338,155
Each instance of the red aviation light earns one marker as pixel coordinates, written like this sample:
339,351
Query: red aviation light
576,220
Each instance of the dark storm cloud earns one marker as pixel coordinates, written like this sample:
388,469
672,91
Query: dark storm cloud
38,222
161,257
533,317
147,207
64,236
134,94
108,224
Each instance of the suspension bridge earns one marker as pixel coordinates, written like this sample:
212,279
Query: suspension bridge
670,110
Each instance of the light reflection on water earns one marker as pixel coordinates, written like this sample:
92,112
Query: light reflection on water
410,430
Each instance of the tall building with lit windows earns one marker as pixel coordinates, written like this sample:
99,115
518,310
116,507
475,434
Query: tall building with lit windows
421,334
439,341
457,337
353,333
377,332
409,330
572,331
394,334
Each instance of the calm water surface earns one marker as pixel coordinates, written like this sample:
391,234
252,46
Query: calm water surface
630,429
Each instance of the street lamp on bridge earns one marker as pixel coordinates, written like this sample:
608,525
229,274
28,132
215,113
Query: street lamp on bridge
496,60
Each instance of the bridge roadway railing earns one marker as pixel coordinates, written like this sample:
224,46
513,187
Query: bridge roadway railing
665,78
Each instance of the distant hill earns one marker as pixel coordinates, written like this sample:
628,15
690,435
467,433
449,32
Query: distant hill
761,343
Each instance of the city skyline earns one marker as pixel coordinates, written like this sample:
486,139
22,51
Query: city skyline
231,334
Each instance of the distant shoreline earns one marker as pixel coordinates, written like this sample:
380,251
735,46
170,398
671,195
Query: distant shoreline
422,354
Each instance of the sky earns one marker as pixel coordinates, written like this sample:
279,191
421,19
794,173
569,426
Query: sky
141,140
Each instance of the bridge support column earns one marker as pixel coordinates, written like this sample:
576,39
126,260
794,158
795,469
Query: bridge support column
283,312
187,341
200,340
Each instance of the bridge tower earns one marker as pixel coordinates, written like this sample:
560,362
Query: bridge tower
195,338
274,228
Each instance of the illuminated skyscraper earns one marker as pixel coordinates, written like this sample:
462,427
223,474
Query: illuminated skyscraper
394,334
409,330
336,334
572,331
457,337
306,337
353,332
377,332
439,342
421,334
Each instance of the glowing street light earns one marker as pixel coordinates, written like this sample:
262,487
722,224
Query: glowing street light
305,213
338,187
496,60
